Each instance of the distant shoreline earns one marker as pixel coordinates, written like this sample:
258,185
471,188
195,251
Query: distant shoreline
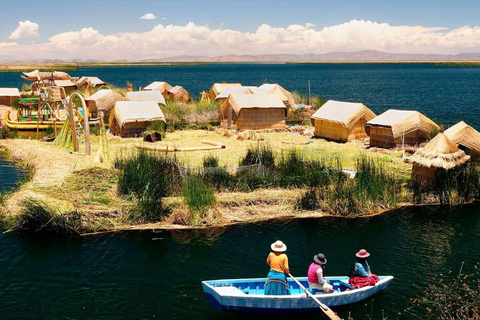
69,66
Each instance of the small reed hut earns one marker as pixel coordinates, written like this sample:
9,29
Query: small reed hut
466,138
153,95
285,95
396,127
161,86
223,96
253,112
94,82
68,85
341,121
8,95
438,154
178,93
219,87
131,118
102,100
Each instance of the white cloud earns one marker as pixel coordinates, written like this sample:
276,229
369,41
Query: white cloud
164,41
25,30
149,16
164,18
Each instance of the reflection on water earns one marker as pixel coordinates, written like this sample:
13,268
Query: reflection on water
147,275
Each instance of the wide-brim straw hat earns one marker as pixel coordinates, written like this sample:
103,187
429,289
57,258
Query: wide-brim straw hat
320,259
363,254
278,246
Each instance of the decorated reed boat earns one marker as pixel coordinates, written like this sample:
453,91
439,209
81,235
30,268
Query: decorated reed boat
247,295
30,123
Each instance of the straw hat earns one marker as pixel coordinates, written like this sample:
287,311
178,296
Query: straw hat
362,254
278,246
320,259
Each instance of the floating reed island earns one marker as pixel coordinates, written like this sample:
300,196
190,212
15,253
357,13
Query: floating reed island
106,158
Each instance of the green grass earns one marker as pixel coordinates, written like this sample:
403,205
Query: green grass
198,196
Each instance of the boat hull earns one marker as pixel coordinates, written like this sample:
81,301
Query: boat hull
245,296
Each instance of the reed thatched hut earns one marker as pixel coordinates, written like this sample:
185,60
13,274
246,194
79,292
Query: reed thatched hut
396,127
8,95
466,138
341,121
438,154
285,95
253,111
131,118
219,87
153,95
178,93
94,82
68,85
103,100
161,86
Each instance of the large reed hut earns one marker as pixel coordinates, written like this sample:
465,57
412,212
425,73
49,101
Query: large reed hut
223,96
178,93
131,118
285,95
153,95
103,100
393,127
253,111
94,82
341,121
161,86
219,87
466,138
438,154
8,95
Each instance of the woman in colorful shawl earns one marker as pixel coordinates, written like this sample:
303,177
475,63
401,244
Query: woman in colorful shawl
276,284
360,274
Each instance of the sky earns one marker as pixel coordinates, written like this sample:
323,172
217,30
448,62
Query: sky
135,30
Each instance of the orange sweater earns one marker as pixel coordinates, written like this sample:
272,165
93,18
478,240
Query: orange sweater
278,261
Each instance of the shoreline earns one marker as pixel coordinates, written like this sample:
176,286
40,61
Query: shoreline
73,66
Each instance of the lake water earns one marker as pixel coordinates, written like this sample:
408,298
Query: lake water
443,93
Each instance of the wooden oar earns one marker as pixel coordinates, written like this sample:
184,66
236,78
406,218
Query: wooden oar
328,312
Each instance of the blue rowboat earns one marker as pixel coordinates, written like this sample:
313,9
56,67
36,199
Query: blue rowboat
247,295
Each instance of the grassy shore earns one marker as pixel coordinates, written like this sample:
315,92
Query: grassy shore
75,182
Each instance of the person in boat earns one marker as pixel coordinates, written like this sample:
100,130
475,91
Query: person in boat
360,273
315,275
277,277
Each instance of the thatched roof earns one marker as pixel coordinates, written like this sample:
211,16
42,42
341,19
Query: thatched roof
103,100
239,101
219,87
153,95
179,93
94,81
161,86
440,152
464,135
285,95
136,111
64,83
9,92
236,89
403,122
346,113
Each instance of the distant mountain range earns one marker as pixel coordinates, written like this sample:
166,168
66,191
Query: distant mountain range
365,55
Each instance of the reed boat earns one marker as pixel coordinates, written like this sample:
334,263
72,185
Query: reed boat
247,295
31,125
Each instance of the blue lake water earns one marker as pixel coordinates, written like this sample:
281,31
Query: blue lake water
443,93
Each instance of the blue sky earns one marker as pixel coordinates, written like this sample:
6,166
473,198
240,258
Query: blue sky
122,16
112,29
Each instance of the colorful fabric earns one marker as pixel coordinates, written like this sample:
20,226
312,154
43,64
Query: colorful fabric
361,269
360,282
276,284
279,262
315,273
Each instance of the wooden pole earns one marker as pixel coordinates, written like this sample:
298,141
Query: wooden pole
72,124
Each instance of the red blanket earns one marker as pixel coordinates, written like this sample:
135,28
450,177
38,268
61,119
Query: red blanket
360,282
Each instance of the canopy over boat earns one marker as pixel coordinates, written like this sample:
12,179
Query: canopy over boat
247,295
